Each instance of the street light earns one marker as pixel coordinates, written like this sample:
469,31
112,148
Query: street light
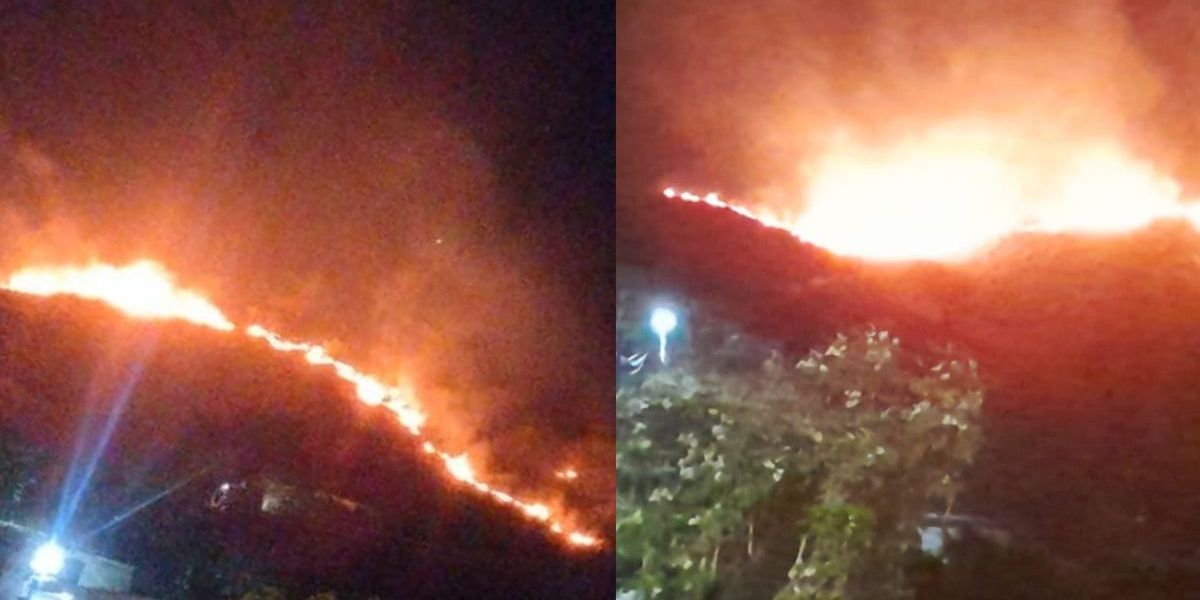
663,321
48,560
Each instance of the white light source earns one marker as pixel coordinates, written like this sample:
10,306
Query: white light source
48,560
663,321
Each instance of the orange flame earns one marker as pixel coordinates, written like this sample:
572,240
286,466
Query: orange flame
369,390
954,191
145,289
142,289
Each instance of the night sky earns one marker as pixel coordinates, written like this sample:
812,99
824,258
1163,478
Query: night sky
426,187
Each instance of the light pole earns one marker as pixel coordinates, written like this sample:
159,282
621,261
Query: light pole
46,564
663,321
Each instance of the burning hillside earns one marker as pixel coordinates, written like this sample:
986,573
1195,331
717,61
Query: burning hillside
188,398
144,290
1015,177
862,201
349,191
1089,342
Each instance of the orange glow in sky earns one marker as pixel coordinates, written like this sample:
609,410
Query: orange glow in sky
955,190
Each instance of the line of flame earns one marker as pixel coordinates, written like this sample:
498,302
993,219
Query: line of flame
1186,213
144,289
399,400
141,289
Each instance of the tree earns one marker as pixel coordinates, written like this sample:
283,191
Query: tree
745,474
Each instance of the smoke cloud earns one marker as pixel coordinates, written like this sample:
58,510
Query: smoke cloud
744,96
369,177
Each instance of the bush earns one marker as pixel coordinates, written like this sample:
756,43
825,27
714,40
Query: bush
742,473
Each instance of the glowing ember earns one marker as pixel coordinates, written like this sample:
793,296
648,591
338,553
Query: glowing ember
951,193
537,511
580,539
459,467
145,290
368,389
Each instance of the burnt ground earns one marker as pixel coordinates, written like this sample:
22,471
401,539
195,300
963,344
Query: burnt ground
1090,348
219,405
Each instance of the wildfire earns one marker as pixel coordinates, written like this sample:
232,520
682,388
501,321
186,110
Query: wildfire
368,389
142,289
145,289
950,193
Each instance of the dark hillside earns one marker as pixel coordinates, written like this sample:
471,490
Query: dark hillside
1090,347
218,407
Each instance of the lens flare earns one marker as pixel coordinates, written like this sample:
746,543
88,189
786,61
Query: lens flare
145,289
48,560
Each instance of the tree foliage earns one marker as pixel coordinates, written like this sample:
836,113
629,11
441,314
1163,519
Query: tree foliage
746,473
